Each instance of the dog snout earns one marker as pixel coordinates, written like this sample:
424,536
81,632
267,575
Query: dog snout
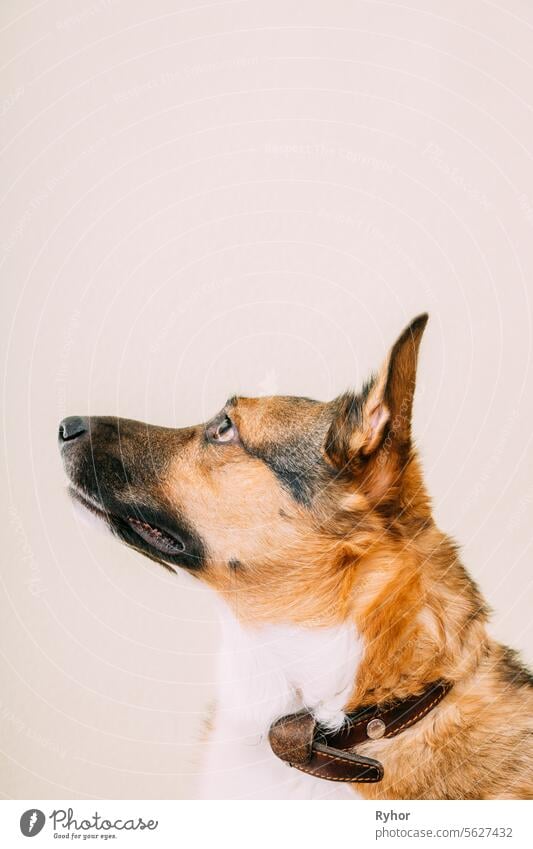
72,428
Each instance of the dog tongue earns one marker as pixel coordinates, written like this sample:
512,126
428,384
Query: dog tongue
156,537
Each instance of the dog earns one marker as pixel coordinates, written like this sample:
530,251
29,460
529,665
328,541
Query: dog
354,645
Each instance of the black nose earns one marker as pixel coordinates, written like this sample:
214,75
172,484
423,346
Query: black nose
72,427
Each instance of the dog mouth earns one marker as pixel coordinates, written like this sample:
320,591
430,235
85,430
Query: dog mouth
133,529
157,538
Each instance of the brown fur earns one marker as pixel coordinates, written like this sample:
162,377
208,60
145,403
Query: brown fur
316,514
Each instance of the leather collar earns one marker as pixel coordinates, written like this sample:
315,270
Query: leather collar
305,744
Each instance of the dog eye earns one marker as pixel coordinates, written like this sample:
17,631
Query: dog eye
222,431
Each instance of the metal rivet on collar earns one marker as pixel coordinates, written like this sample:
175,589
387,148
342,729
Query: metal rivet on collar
375,729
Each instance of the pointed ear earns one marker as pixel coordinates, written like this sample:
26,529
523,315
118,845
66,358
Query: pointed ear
381,413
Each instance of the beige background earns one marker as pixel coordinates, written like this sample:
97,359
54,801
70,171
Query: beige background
254,197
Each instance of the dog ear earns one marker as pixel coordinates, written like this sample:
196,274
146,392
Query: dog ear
376,424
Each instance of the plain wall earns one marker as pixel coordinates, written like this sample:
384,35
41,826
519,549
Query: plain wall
242,197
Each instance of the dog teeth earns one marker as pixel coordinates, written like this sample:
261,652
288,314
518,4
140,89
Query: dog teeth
156,537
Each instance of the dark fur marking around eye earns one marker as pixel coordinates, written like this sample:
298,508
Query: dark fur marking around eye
297,464
298,460
234,563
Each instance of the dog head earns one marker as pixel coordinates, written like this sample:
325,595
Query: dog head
273,502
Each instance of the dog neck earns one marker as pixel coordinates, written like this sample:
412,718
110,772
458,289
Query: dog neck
420,616
415,618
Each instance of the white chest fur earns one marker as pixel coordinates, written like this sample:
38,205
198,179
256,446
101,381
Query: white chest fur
264,673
